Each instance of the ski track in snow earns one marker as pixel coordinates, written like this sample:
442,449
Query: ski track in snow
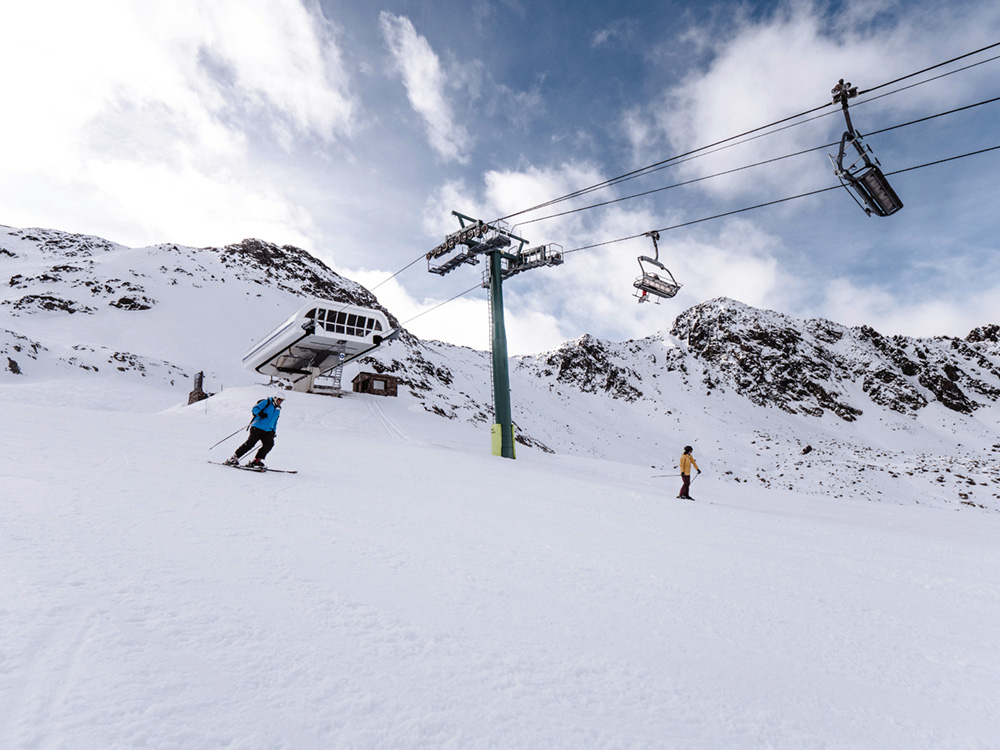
391,427
397,594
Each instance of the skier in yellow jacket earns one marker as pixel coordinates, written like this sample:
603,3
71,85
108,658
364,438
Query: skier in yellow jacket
687,461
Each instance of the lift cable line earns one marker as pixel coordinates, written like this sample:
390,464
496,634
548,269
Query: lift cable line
774,202
644,170
727,143
918,83
932,67
718,216
653,167
751,166
390,278
441,304
679,160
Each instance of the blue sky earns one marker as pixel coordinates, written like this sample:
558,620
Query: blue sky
352,129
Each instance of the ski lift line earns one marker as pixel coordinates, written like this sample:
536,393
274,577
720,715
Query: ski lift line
390,278
932,67
652,167
943,161
774,202
681,184
755,164
932,117
643,170
725,144
918,83
663,166
707,218
440,304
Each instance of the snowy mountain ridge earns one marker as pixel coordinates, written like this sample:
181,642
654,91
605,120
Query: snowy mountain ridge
724,373
803,367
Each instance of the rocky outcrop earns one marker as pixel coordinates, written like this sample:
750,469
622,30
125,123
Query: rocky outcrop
808,367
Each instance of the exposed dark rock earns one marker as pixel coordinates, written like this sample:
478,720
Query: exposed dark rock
47,303
133,303
990,333
588,364
294,270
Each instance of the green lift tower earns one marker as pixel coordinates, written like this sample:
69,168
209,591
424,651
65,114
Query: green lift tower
474,240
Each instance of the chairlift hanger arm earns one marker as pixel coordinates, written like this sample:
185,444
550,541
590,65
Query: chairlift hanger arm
866,179
654,236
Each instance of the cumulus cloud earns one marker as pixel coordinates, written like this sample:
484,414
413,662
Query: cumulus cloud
894,313
121,99
465,320
426,86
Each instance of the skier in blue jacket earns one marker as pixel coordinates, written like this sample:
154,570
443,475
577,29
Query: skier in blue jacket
263,428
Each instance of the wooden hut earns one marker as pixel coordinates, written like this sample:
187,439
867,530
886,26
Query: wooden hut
372,382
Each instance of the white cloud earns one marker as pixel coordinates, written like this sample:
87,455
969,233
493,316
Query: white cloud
762,71
133,118
464,321
620,31
891,313
426,85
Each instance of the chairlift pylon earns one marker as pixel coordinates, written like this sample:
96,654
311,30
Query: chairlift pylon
651,284
864,175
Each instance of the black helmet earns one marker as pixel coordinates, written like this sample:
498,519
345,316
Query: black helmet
688,449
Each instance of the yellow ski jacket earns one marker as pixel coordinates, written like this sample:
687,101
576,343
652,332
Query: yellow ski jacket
687,461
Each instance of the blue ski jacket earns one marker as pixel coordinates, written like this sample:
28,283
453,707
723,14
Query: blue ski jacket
265,415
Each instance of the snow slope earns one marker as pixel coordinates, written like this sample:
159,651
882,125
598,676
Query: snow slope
834,585
407,590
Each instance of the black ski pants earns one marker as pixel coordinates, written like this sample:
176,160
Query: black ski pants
266,443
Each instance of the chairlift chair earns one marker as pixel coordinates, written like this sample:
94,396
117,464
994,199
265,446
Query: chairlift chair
651,284
864,174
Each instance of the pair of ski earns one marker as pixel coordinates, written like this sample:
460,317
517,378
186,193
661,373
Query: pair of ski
247,467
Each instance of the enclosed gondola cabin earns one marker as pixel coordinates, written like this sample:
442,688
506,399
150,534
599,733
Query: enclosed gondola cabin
321,336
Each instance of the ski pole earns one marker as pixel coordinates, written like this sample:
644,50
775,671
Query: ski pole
229,436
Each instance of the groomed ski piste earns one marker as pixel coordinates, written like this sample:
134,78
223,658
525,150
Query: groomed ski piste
408,590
